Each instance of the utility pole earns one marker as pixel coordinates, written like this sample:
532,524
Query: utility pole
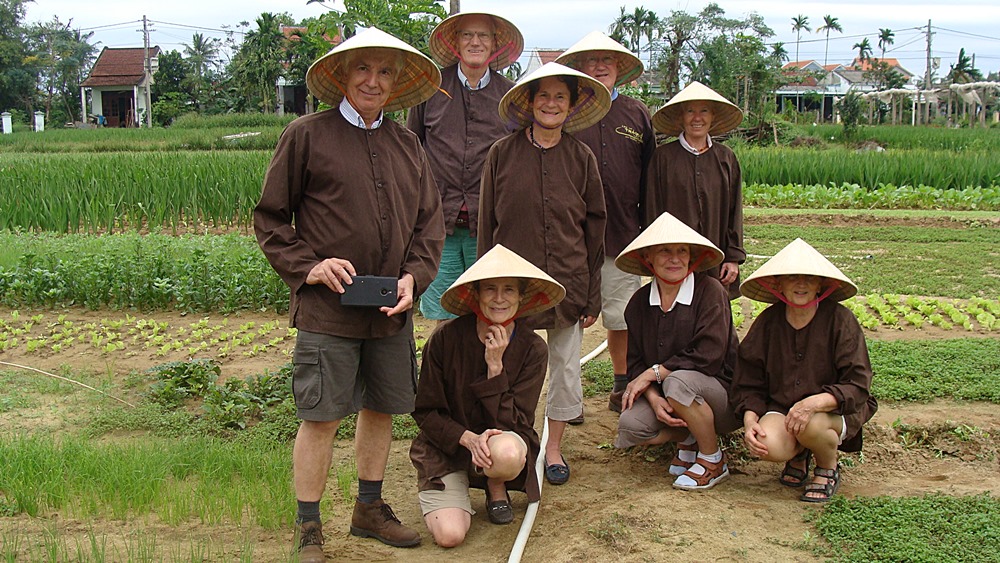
927,75
147,67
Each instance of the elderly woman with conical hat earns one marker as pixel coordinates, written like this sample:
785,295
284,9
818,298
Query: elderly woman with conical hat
541,196
623,143
457,126
803,379
350,193
681,352
480,380
698,180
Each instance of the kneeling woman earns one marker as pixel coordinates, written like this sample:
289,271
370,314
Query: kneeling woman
681,352
480,380
803,376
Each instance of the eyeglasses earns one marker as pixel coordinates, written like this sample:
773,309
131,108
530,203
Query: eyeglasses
482,35
607,60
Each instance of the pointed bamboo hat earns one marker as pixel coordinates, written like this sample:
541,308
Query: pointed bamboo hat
418,80
796,258
593,103
726,116
542,292
629,65
668,229
508,43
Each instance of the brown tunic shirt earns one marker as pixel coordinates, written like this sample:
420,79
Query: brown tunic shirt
547,205
623,143
705,192
699,336
334,190
779,365
457,129
454,395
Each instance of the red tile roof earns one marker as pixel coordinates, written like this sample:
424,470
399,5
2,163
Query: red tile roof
118,67
549,55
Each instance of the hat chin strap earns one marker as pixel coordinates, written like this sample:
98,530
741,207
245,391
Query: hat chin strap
834,285
691,267
466,296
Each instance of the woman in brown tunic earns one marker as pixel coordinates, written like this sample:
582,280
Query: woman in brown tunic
697,180
480,380
681,352
803,377
541,196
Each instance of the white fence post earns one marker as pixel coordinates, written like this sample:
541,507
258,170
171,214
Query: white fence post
7,126
39,121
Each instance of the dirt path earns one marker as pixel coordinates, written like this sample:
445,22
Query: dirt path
617,506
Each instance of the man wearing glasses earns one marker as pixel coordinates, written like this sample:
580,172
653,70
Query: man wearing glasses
457,126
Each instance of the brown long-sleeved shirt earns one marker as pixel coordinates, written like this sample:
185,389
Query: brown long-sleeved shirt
457,132
547,205
623,143
334,190
779,365
454,394
705,192
698,337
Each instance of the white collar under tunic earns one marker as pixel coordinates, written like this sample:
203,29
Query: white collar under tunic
684,295
354,118
464,80
689,148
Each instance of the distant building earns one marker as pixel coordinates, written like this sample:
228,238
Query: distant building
809,80
117,85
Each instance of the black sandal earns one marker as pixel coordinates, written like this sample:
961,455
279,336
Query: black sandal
792,472
499,511
826,490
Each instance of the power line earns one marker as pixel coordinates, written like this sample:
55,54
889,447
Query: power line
965,33
133,22
185,26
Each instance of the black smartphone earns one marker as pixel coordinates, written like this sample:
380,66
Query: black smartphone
370,291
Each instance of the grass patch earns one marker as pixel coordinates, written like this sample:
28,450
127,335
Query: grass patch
964,368
201,478
598,378
928,528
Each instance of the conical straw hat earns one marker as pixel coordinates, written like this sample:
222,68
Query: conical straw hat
667,229
726,116
593,103
507,41
629,65
796,258
542,292
418,80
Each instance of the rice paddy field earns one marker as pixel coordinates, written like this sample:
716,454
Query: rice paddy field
145,410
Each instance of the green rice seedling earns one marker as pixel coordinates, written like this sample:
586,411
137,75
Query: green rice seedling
906,137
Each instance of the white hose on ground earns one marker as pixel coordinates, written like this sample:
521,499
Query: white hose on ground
529,515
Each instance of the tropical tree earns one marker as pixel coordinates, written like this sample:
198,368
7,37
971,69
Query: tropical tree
830,23
885,38
962,72
799,23
59,55
778,53
864,48
258,64
629,29
201,55
410,20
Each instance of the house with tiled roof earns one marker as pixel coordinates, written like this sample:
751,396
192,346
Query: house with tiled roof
539,57
117,86
811,86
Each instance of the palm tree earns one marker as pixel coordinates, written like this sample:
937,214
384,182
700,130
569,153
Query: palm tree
201,53
799,23
830,23
962,72
864,51
885,38
778,53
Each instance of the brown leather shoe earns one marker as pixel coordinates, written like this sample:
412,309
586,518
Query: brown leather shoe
615,401
309,536
377,521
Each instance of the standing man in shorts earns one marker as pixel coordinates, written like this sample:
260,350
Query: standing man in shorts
623,142
350,192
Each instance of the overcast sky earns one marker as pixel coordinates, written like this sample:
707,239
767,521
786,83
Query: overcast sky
972,24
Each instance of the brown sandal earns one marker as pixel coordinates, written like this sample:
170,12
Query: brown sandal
677,465
713,475
826,490
792,472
